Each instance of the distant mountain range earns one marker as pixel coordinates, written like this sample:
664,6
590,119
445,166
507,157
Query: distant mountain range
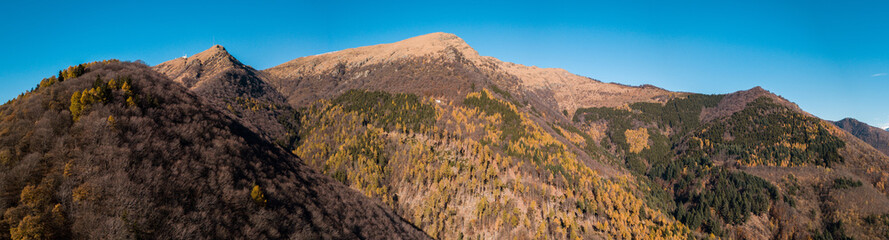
423,138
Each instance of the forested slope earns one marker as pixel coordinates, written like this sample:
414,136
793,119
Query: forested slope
115,150
748,164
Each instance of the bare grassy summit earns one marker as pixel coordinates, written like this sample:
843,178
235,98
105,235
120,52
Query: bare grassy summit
370,67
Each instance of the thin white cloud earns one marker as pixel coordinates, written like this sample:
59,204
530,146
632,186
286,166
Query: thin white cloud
879,74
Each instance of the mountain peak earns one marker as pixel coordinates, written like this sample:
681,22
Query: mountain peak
758,89
435,42
848,119
436,39
189,70
218,77
438,44
737,101
756,92
215,53
217,49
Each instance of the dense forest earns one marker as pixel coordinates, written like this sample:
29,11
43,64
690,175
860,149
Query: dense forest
431,160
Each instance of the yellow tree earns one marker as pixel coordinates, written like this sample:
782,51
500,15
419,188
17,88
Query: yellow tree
258,196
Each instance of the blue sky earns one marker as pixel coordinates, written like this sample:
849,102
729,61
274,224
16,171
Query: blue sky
830,57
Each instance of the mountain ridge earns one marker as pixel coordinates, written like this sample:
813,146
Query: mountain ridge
569,91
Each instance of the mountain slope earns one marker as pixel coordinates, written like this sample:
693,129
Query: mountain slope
455,147
750,164
119,151
692,145
878,138
228,84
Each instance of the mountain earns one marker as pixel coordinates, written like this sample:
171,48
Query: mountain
390,120
226,83
422,138
117,150
878,138
619,132
442,64
772,166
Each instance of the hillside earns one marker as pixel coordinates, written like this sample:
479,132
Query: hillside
878,138
114,150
